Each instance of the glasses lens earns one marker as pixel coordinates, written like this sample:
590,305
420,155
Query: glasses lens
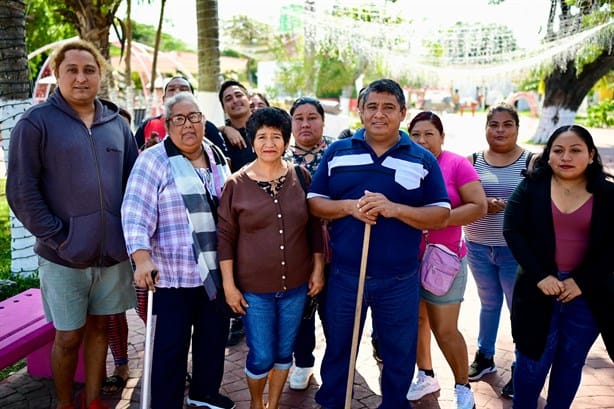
195,117
178,120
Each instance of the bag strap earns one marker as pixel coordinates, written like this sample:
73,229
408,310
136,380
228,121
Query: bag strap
301,177
425,233
529,157
474,157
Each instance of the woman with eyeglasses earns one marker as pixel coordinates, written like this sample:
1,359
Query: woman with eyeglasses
169,217
270,252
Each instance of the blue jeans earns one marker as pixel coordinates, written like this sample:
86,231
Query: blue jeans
394,308
494,271
573,331
271,324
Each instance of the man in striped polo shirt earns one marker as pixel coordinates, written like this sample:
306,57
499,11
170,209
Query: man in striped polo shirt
377,177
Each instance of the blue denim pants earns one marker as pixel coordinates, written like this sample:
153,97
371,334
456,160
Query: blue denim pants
573,331
271,324
494,271
394,308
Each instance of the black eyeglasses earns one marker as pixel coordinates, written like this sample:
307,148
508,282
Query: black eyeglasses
193,117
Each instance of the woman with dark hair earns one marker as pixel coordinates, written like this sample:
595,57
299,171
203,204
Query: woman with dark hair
558,224
440,312
257,100
493,266
270,251
308,130
309,145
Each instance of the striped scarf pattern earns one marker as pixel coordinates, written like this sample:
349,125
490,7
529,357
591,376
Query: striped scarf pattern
201,208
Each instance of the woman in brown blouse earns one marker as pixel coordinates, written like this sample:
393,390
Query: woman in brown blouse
270,252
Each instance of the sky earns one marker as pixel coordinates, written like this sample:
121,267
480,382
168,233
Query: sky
524,17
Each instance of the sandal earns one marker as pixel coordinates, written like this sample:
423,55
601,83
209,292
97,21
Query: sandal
113,384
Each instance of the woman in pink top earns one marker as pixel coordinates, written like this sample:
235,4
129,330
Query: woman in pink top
440,313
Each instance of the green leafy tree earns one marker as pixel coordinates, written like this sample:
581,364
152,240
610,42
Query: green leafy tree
249,39
568,82
43,26
146,34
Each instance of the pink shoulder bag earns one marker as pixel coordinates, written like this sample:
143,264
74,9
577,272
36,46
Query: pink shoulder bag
438,267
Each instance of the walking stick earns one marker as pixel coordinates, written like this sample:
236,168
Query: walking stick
357,313
149,331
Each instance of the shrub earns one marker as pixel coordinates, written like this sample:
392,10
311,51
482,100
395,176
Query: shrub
601,115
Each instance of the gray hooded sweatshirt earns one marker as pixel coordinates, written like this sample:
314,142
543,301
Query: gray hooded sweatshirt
66,182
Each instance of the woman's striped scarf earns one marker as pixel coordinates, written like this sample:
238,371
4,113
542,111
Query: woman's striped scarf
201,208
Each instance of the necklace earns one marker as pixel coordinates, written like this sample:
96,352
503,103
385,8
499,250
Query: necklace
301,156
571,190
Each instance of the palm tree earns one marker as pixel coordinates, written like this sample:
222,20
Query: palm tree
154,64
13,56
208,38
128,56
14,100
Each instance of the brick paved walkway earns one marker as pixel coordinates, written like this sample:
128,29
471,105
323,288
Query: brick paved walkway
21,391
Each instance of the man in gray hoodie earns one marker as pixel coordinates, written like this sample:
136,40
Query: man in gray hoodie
69,161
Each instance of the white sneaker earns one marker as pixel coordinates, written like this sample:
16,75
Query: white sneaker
299,378
421,386
463,398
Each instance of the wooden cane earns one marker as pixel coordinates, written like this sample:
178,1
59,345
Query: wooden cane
357,313
148,358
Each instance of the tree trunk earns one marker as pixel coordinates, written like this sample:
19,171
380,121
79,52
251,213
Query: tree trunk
128,66
154,64
209,59
14,83
565,91
14,100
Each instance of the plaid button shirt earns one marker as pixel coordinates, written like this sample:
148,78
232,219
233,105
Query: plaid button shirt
154,218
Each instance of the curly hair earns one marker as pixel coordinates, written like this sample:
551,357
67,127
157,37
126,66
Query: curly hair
60,55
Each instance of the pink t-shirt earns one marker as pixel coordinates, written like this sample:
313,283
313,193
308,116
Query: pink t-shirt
457,171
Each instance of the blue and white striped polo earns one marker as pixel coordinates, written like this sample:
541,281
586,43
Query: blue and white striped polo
407,174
